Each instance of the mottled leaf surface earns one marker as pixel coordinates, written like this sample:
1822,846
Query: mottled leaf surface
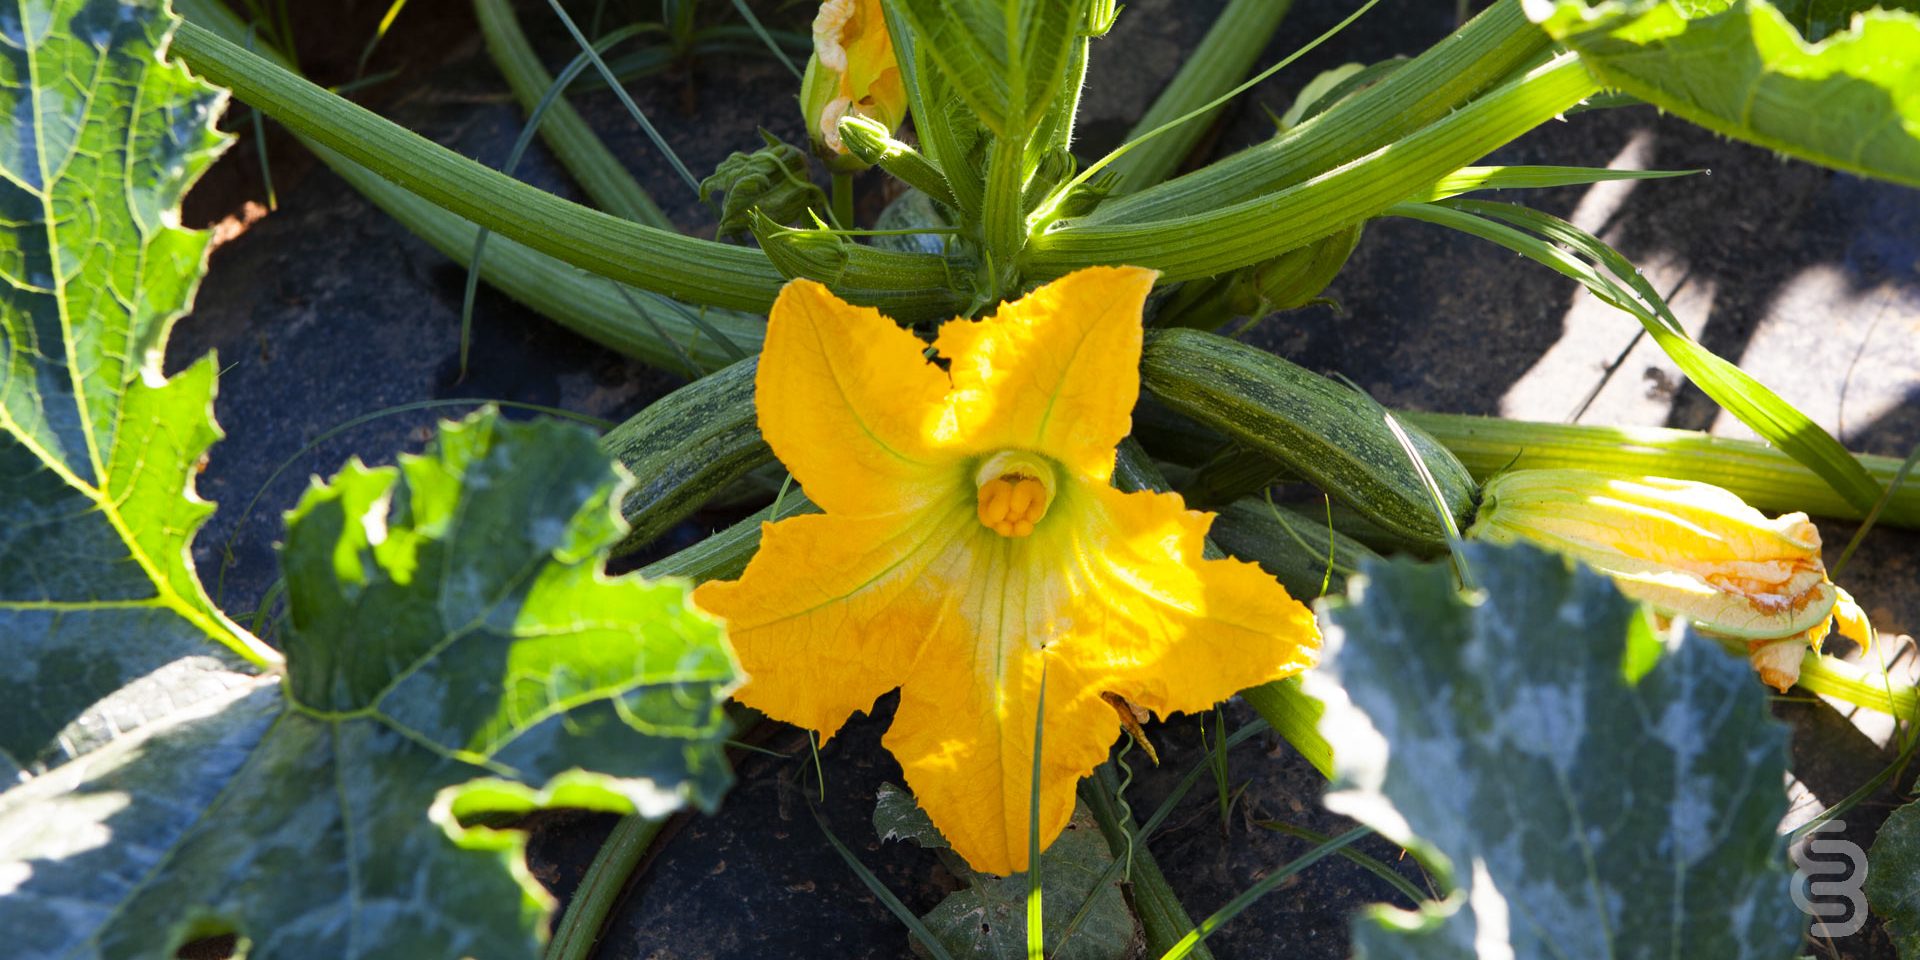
454,651
1575,812
1893,879
97,449
1744,69
988,919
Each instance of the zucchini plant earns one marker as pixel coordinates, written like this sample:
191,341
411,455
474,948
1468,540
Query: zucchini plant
455,654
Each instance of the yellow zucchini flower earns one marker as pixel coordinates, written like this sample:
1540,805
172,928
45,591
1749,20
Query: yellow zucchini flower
972,542
1687,549
852,73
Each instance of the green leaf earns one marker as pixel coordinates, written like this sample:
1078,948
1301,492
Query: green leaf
1851,101
897,817
987,919
455,653
1005,58
97,449
1893,879
1576,806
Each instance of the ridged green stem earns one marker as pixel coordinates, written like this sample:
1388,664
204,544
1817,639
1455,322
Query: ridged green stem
579,928
1845,682
683,268
1223,58
1003,222
1761,475
589,305
1479,55
1201,245
592,165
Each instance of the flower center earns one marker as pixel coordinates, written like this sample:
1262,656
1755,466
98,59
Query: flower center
1015,489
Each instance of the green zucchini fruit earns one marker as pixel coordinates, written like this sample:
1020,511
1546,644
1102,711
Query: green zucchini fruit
684,448
1336,438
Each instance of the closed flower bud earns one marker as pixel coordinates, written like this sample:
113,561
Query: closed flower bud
772,180
852,73
1687,549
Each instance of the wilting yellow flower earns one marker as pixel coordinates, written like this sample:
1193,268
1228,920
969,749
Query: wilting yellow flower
1687,549
852,72
972,542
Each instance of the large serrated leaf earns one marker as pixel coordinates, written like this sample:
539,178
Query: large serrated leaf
1893,881
1580,804
1850,101
454,647
1005,58
97,449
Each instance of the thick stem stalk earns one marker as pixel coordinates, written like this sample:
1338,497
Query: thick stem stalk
592,306
1004,219
683,268
1223,58
1245,233
579,928
595,167
1758,473
1474,58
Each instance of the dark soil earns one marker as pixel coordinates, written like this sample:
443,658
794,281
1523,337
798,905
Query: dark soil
324,310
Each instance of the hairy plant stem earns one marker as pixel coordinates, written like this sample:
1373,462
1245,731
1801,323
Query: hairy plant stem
685,268
1478,56
1244,233
1003,222
843,201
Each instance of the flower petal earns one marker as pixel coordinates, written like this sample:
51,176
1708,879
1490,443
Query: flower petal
1056,372
1155,622
964,739
1110,595
845,397
831,611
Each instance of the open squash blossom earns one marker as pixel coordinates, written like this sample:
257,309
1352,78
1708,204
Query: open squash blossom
972,542
1687,549
852,73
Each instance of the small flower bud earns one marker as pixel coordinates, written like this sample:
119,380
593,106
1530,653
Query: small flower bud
772,180
852,73
1687,549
